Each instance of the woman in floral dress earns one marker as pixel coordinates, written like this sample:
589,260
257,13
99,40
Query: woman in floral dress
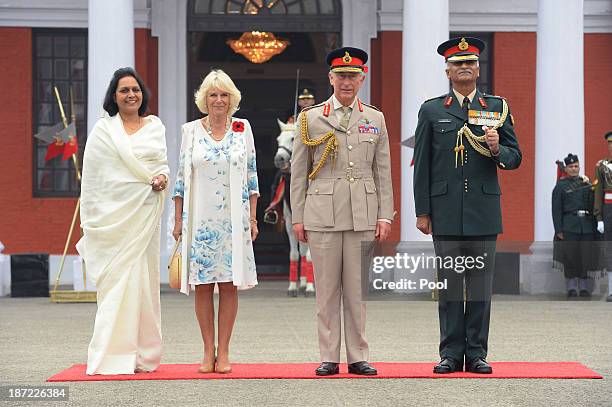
215,198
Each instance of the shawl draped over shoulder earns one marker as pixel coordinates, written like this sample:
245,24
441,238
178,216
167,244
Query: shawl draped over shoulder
119,210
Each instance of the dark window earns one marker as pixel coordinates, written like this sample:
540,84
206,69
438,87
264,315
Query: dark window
264,15
59,60
485,82
307,7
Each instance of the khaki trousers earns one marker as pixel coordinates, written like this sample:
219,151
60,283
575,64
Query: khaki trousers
336,257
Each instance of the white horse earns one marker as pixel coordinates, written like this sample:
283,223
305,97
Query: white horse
282,161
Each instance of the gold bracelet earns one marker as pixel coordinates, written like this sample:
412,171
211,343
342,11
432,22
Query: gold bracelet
253,220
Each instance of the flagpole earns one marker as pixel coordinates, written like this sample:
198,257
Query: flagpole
78,203
61,267
74,160
74,155
65,121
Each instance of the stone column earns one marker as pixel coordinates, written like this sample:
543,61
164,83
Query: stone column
425,26
359,26
169,24
110,46
559,124
559,100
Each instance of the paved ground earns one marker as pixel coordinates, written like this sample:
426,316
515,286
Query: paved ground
38,339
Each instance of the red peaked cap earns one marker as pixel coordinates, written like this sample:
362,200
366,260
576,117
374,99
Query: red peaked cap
347,59
461,49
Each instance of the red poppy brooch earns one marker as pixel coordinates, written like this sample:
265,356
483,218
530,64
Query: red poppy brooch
238,127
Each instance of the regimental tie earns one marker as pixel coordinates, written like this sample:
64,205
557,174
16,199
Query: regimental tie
346,115
466,104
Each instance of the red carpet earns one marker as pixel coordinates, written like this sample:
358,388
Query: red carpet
501,370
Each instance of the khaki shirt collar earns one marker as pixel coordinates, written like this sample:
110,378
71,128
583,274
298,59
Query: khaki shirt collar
460,97
338,105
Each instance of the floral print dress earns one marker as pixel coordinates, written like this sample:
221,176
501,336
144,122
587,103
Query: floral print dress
210,218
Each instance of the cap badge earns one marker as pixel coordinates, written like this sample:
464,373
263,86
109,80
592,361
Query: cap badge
347,58
463,45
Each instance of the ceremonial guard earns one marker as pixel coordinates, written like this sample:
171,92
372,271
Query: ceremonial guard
300,261
603,208
304,100
341,196
461,139
572,203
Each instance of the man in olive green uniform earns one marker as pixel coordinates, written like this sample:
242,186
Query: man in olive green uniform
572,203
341,196
603,207
461,139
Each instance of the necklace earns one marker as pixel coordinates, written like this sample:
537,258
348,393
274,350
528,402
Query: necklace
208,128
131,128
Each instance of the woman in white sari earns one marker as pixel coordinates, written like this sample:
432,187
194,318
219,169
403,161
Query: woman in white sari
125,173
215,199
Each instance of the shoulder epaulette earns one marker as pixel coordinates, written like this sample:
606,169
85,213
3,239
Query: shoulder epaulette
492,96
371,106
311,107
437,97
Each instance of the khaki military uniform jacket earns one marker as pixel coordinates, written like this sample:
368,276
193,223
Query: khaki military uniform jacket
356,191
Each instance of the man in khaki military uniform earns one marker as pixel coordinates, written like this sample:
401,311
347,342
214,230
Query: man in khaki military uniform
341,196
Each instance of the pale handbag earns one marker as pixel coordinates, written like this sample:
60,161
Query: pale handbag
174,267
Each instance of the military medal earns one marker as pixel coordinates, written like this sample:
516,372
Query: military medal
366,126
484,118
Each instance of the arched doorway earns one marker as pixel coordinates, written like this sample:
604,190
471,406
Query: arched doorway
313,28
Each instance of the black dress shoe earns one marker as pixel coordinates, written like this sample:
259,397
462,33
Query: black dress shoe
585,293
572,293
478,366
327,369
448,365
362,368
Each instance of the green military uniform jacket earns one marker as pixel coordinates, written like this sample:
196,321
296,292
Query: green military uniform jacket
603,173
462,198
572,194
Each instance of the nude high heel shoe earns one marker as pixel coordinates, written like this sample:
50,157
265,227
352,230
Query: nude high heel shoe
223,369
207,367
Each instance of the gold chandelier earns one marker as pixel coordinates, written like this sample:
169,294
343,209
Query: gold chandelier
258,47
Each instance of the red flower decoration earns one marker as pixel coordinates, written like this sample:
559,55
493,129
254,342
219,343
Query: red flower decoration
238,127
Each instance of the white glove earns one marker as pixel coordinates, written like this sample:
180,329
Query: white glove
600,226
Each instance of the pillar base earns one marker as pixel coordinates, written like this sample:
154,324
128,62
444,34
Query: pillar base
538,275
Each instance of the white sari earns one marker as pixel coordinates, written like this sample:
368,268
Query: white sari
120,217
